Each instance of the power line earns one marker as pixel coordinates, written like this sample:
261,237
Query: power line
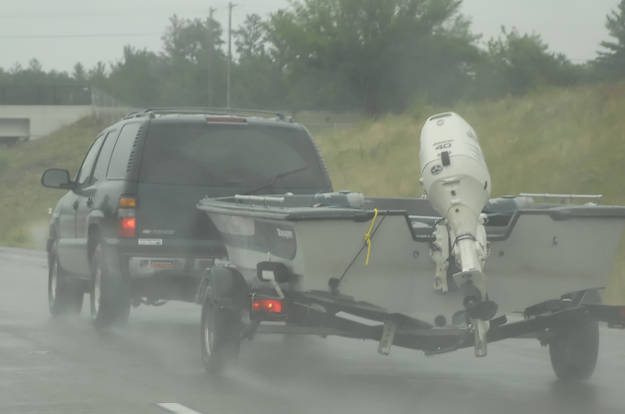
124,13
77,35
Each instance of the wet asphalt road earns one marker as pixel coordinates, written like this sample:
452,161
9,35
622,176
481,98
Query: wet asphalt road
64,366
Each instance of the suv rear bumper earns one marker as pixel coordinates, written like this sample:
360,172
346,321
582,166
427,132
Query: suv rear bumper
174,258
140,267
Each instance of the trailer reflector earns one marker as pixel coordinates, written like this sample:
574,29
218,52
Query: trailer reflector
267,305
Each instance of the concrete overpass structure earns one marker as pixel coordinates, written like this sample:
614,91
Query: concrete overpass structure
25,122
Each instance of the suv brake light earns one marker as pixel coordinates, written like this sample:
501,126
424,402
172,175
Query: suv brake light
126,226
126,221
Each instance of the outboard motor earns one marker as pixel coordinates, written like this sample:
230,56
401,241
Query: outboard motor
455,178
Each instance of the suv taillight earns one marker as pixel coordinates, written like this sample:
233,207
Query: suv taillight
126,220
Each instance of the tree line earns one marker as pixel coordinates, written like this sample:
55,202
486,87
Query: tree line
372,56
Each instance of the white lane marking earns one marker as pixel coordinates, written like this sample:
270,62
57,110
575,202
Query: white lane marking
177,408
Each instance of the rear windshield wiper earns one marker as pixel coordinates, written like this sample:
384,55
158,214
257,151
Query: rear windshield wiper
275,178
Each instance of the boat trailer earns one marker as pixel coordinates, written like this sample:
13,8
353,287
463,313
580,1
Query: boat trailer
319,313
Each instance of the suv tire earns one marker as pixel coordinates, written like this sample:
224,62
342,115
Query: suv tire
110,294
63,295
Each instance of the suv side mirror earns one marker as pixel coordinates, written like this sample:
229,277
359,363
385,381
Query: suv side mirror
56,178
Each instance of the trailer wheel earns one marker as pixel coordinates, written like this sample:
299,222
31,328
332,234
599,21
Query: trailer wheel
110,296
574,350
220,336
63,296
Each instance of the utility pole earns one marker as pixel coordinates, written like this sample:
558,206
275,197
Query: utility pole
209,55
230,7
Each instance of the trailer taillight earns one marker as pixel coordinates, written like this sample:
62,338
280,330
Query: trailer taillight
126,220
267,305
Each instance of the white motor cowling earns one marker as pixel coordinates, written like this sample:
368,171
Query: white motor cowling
456,180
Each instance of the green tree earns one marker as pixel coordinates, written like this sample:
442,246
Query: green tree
134,77
611,61
98,74
190,39
516,63
189,71
257,79
35,66
250,38
370,54
196,62
32,85
79,73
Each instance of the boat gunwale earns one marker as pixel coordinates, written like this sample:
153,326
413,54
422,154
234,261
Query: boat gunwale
224,206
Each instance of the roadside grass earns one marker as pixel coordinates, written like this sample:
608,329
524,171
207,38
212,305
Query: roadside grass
24,203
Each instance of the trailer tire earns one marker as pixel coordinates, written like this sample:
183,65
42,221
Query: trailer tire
574,349
64,297
110,295
220,336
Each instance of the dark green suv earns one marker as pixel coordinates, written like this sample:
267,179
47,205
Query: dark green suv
128,232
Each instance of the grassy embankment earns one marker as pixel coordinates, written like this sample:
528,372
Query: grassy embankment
24,202
557,140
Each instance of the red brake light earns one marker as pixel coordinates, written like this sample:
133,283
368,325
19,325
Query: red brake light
126,226
267,305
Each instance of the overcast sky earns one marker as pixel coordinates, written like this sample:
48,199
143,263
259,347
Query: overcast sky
62,32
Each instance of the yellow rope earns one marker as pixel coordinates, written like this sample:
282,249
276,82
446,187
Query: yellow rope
368,236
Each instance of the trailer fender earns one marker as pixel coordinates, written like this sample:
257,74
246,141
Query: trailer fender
224,286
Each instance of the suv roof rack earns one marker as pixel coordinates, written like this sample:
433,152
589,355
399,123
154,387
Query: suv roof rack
151,111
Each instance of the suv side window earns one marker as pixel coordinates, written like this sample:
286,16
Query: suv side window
105,156
121,154
87,164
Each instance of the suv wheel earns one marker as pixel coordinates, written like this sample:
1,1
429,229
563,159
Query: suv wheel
220,336
110,296
63,296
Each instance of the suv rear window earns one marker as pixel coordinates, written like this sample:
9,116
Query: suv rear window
244,156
